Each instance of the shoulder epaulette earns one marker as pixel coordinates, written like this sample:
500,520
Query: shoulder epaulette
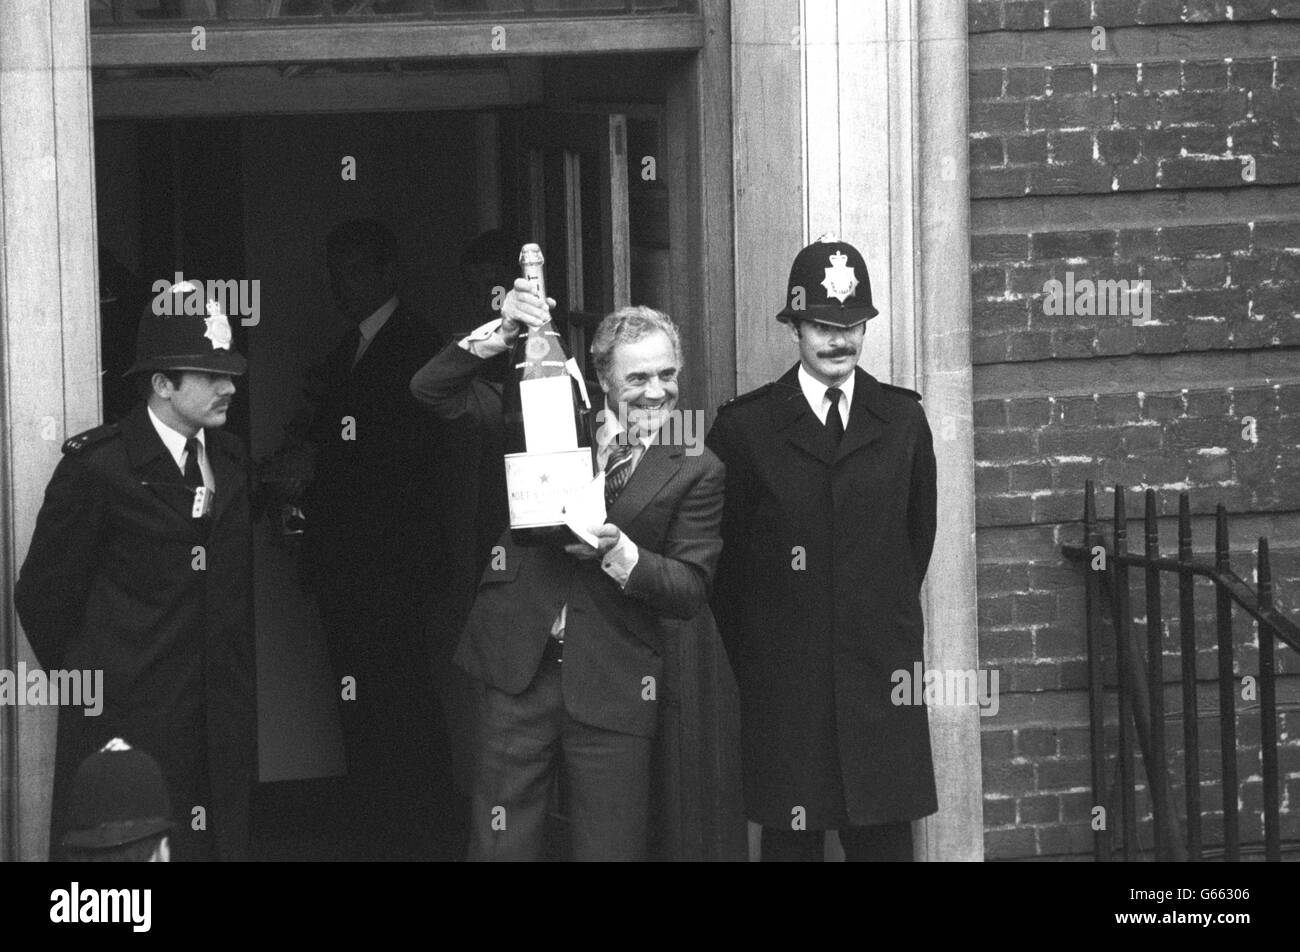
743,398
903,390
78,443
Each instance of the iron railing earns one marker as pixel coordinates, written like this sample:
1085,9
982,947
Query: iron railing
1139,681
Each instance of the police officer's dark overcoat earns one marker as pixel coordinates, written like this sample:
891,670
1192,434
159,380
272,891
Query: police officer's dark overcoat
121,578
818,601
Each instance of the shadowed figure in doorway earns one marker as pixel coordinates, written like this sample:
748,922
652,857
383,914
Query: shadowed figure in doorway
372,550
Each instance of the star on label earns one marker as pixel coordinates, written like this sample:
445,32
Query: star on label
218,327
841,280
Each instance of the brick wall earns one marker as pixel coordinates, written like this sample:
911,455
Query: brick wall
1162,148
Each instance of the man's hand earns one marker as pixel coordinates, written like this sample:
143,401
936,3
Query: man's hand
522,308
606,535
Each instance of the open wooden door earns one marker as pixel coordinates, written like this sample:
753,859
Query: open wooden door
570,188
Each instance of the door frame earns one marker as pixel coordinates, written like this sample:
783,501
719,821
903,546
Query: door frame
251,42
699,136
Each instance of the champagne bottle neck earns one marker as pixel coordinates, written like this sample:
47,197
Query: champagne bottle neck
540,353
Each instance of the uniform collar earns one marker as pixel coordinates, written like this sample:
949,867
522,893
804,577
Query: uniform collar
173,439
815,391
793,418
867,393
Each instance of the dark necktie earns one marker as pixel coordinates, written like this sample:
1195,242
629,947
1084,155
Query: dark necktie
618,470
834,422
193,474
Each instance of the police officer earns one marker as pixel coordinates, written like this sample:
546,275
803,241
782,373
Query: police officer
140,567
827,533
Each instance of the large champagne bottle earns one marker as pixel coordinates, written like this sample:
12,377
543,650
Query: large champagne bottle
548,445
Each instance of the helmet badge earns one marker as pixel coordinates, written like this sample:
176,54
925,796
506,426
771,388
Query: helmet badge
841,280
218,327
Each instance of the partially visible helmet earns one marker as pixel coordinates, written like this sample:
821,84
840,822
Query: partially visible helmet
118,797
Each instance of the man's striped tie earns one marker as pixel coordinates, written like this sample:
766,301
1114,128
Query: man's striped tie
618,470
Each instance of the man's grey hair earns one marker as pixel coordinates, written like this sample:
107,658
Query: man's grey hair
628,325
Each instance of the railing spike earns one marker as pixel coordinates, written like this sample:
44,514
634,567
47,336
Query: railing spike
1149,525
1264,571
1191,703
1121,615
1101,839
1157,776
1184,526
1120,528
1268,710
1221,544
1227,693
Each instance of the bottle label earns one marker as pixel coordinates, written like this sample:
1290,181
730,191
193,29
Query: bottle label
539,484
549,426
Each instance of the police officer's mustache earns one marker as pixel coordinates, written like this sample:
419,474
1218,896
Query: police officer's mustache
837,352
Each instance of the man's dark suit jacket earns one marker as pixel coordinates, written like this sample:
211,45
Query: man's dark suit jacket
613,668
372,508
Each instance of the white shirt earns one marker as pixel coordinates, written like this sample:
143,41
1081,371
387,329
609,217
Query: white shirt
372,325
175,443
815,393
620,560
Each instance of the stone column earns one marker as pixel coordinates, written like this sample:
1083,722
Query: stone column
49,340
943,347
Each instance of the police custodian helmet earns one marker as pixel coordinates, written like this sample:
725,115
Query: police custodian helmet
183,328
828,284
118,797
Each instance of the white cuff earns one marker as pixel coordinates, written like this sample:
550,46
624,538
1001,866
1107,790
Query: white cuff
621,560
485,341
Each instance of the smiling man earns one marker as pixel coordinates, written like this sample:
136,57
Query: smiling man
140,567
567,641
828,529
